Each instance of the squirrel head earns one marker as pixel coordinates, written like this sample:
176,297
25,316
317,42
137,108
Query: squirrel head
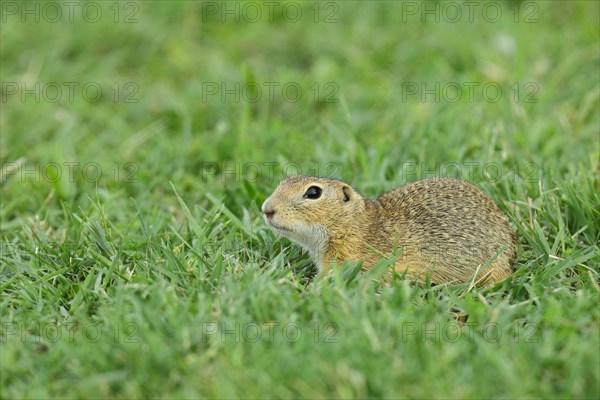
310,210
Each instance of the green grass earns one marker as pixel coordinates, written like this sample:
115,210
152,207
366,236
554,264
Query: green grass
159,279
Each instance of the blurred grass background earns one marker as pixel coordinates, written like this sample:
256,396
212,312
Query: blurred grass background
125,249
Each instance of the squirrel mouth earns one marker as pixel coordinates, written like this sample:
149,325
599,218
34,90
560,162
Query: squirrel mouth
277,226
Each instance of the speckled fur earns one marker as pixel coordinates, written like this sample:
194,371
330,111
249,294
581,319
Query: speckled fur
443,228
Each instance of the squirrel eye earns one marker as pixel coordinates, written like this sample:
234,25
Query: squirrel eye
313,192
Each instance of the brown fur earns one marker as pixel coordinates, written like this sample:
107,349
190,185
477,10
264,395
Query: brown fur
443,228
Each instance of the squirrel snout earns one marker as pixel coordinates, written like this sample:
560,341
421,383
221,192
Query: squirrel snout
269,214
268,209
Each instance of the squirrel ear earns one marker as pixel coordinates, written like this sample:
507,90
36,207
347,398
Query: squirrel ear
347,193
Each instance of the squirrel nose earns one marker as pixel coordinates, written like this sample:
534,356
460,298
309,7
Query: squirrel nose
268,209
269,214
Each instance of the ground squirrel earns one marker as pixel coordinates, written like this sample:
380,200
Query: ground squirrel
442,228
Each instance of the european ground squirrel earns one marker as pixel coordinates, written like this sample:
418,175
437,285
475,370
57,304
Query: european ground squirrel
442,228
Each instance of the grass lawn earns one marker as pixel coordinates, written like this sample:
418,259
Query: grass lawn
139,139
